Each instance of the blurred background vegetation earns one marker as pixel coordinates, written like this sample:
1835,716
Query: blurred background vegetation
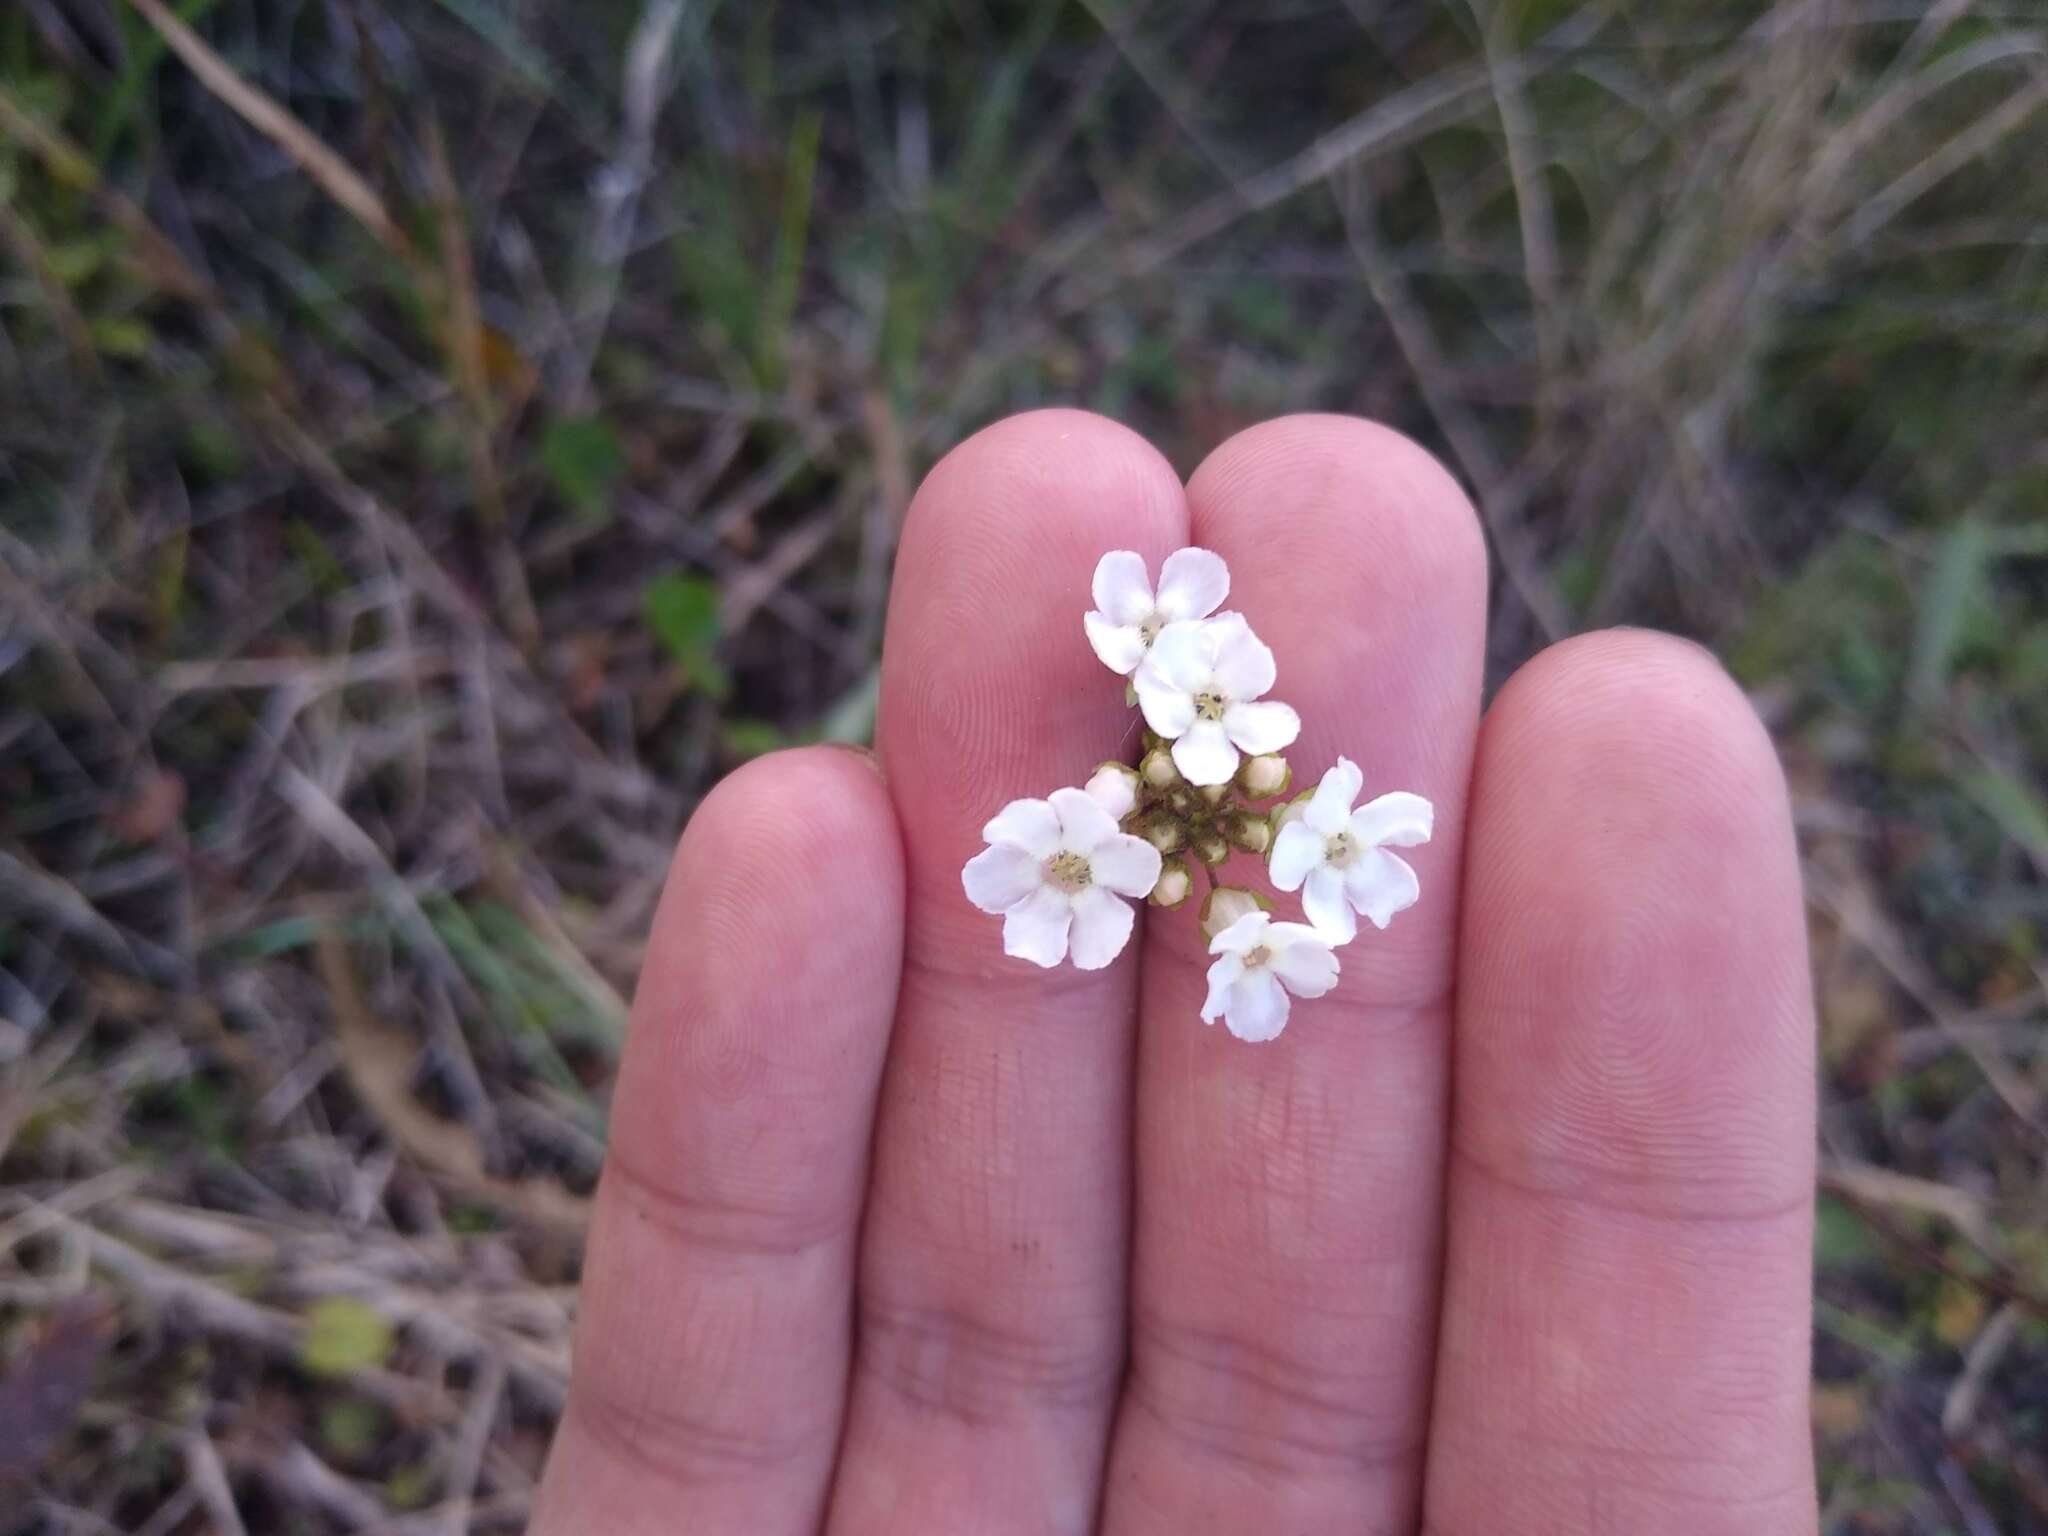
439,437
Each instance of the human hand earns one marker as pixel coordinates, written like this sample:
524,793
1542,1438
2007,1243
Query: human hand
1509,1234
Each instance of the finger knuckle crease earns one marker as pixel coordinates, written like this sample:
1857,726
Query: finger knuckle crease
679,1447
703,1223
1244,1400
953,1361
1708,1203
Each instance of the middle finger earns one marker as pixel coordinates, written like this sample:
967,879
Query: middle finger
1287,1221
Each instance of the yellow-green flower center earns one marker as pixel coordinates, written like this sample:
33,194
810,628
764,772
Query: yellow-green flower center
1340,850
1209,705
1256,956
1068,871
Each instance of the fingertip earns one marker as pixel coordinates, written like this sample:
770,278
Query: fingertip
1042,447
1635,933
1015,518
990,687
1356,482
1364,567
778,820
1642,732
790,868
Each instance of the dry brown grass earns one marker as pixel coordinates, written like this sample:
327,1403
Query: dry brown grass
439,441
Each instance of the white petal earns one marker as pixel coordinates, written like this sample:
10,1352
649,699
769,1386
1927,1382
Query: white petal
1125,864
1222,975
1257,1007
1241,935
1114,789
997,878
1185,654
1032,825
1204,754
1119,646
1083,821
1266,726
1330,807
1169,709
1223,629
1036,930
1380,885
1192,583
1122,590
1322,898
1398,820
1303,960
1102,927
1297,850
1244,662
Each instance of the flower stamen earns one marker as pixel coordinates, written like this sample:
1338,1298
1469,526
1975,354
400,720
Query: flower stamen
1068,871
1210,706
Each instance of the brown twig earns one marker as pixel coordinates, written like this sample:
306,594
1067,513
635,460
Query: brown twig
465,346
1874,1192
268,117
379,1061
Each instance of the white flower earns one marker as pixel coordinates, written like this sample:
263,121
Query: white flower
1127,617
1200,690
1258,963
1054,870
1337,857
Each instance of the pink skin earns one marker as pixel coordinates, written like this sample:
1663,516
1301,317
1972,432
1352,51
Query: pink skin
1509,1234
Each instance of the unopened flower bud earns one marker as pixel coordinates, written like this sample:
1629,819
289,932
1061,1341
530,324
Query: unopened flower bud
1291,810
1226,904
1266,775
1214,793
1175,881
1182,802
1115,788
1212,847
1156,768
1254,834
1164,833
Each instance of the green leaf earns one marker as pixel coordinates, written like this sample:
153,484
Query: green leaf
323,567
852,718
583,457
682,610
497,25
344,1335
74,262
1955,587
2015,807
785,268
351,1428
752,738
167,579
1841,1238
118,336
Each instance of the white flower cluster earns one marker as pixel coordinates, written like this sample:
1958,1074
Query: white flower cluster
1057,871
